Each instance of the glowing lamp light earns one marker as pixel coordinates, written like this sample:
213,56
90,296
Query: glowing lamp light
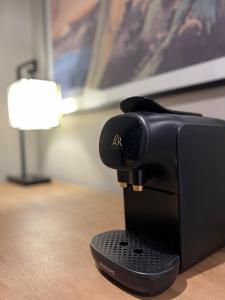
34,104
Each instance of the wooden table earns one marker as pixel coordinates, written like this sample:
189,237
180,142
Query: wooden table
44,247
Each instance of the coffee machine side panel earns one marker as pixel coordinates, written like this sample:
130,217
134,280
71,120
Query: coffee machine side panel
201,168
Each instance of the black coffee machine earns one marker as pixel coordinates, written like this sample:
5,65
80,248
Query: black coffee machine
171,166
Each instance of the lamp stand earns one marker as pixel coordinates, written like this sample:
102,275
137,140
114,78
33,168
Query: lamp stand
24,178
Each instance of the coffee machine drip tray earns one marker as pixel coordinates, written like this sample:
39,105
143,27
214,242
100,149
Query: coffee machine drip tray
135,261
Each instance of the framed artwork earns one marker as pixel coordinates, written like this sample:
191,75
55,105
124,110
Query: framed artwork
104,51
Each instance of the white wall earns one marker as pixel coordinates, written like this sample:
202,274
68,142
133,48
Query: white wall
70,152
17,36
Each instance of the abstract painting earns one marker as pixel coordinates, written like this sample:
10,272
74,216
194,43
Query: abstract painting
104,51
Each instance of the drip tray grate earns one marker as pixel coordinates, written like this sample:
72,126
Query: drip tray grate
130,258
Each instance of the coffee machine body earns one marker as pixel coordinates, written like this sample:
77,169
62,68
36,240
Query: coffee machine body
171,166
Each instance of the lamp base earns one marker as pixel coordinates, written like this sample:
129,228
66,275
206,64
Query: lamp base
28,180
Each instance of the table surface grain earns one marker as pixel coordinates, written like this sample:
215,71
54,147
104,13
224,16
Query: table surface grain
44,247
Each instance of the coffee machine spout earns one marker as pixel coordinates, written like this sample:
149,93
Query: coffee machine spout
132,178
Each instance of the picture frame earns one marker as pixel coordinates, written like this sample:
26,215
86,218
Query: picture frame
203,68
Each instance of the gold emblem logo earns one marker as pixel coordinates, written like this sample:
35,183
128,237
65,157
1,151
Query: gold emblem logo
117,142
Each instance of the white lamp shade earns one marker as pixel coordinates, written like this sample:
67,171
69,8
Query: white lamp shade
33,104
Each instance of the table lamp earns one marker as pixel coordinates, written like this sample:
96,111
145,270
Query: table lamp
33,104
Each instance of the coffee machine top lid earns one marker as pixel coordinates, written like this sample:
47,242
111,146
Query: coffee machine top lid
134,104
125,139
